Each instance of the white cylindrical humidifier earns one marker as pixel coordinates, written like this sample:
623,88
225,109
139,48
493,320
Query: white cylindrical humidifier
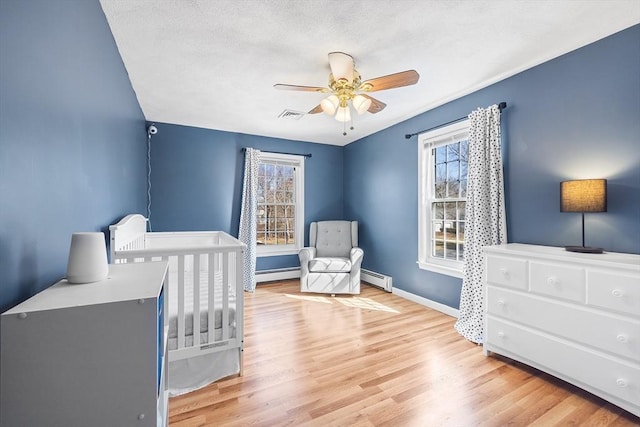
87,258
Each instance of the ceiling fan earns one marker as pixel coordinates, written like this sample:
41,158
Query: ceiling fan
347,88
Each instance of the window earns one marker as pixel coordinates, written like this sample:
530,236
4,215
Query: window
442,166
280,213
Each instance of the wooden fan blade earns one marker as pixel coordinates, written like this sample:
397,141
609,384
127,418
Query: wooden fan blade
301,88
403,78
317,109
376,105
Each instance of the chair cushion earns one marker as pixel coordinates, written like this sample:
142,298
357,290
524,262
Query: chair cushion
334,239
330,265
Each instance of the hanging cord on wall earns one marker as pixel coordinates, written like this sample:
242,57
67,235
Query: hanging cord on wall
152,130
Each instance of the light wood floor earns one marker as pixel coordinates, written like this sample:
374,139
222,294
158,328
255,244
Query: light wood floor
376,360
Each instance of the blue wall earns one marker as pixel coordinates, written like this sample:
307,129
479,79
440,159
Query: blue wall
577,116
196,177
72,138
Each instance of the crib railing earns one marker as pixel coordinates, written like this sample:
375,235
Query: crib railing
221,263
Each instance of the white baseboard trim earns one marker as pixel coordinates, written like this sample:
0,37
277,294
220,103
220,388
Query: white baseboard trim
453,312
277,274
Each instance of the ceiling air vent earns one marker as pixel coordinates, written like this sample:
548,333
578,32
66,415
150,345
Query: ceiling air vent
291,114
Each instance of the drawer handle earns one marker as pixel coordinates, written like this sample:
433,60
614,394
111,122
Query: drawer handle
501,334
505,273
617,293
501,302
622,338
621,382
552,280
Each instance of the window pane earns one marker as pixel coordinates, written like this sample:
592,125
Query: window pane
464,151
441,154
453,171
464,167
438,210
450,210
463,188
440,173
461,231
279,196
450,250
461,210
268,239
450,231
453,189
453,152
438,230
438,249
270,196
461,252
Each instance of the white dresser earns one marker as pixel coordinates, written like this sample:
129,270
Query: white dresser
575,316
88,355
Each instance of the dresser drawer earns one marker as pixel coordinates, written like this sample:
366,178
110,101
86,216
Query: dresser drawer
619,292
611,333
507,271
598,373
557,281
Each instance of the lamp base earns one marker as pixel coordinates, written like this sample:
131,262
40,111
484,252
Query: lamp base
584,249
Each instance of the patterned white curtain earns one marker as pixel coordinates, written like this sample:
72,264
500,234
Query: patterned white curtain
248,225
485,216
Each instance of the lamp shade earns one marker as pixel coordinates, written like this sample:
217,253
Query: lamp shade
584,195
329,104
361,103
343,114
87,258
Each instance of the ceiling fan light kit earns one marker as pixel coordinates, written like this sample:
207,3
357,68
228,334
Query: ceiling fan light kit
345,84
330,104
361,104
343,114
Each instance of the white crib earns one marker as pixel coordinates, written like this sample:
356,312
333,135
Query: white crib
205,270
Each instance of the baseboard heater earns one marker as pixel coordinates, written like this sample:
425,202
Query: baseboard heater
277,274
376,279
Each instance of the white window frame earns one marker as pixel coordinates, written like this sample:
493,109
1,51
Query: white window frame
427,141
290,249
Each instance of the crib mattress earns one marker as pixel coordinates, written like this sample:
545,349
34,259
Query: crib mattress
172,303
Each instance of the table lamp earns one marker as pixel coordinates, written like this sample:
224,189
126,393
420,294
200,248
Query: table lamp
584,195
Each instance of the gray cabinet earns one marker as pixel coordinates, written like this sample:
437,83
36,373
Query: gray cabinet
88,355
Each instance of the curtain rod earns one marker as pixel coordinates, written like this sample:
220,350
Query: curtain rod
501,106
280,152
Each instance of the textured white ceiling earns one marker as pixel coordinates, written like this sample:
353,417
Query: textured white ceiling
213,63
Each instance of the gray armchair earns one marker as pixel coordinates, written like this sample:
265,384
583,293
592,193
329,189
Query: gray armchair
331,263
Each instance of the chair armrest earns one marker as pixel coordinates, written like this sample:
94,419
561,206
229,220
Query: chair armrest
356,256
306,254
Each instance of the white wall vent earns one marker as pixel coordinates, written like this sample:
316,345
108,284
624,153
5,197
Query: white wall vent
377,279
291,114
